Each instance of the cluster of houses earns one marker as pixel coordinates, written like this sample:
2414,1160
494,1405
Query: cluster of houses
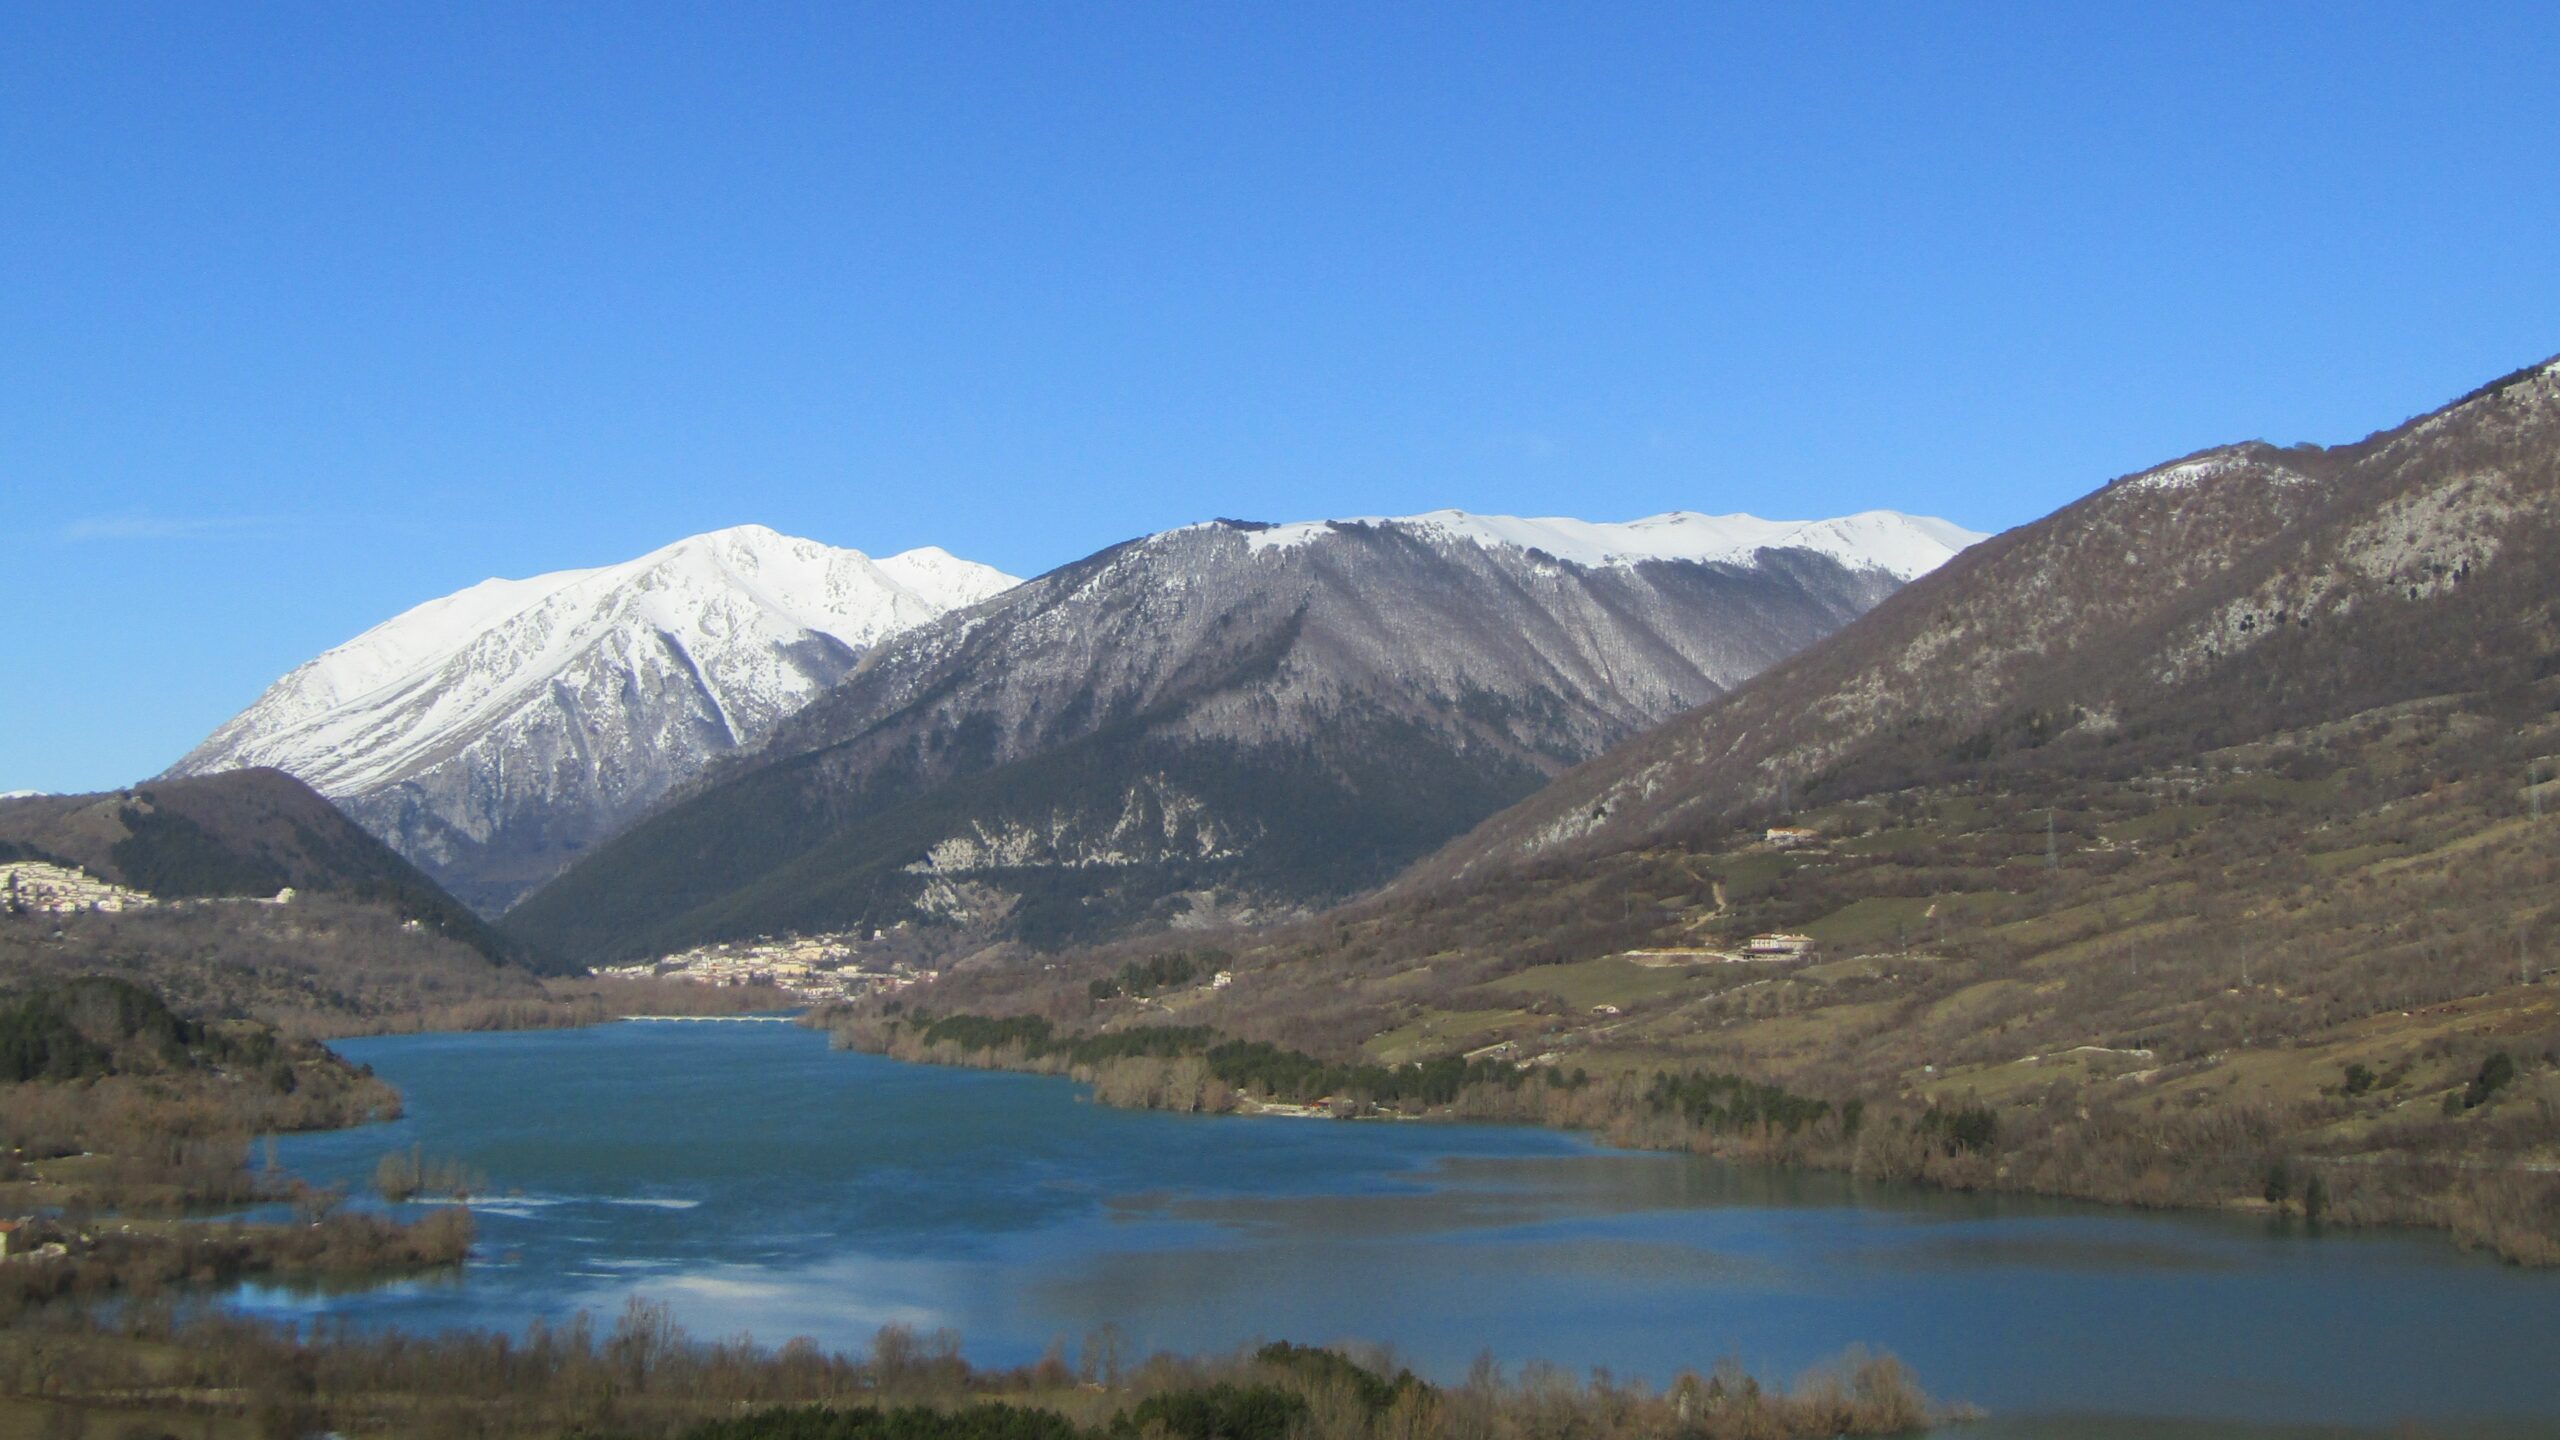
814,968
33,887
39,887
21,1239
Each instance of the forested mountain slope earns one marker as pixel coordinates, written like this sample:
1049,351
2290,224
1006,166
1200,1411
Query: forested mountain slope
241,834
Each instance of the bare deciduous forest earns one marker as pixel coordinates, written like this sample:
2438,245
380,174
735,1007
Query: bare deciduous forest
157,1373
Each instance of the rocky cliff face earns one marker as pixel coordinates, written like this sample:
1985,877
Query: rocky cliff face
494,734
1224,717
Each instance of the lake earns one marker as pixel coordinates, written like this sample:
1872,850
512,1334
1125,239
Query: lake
757,1181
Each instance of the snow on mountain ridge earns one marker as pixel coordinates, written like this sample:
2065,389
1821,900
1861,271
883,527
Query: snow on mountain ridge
481,648
938,575
1203,714
1906,546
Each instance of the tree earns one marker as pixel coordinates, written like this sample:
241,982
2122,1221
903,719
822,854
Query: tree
1101,1358
644,1339
2495,1073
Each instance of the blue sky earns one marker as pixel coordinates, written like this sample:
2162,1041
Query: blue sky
309,313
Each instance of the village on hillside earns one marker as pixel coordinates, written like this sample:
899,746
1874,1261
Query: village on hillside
814,968
42,887
35,887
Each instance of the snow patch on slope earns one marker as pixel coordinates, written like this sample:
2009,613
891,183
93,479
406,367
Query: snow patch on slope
2212,466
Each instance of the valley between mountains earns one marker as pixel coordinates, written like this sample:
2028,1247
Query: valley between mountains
2185,847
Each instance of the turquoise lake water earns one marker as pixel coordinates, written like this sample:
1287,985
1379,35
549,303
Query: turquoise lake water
757,1181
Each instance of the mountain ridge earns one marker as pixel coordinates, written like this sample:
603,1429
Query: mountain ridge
1906,546
1128,717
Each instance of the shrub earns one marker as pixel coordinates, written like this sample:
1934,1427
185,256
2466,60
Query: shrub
1216,1412
2279,1186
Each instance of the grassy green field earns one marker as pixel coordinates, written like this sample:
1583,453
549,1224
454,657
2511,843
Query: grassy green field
1608,980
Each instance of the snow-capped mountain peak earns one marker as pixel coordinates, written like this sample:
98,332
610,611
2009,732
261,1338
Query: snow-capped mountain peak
937,575
569,700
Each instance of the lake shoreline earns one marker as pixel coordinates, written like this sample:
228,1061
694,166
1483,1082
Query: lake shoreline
1145,1083
1038,1113
1258,1186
